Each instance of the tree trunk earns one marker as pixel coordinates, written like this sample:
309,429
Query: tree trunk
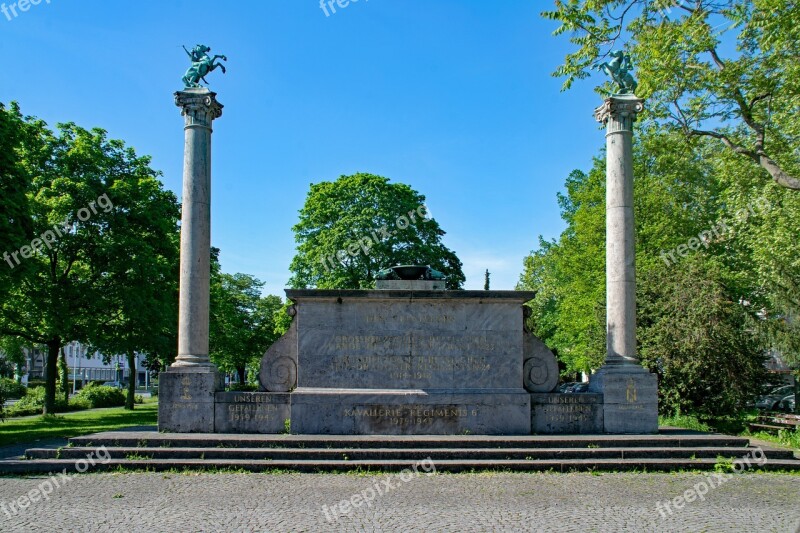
51,369
64,375
131,380
241,371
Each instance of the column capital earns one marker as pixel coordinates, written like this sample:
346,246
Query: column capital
619,112
199,106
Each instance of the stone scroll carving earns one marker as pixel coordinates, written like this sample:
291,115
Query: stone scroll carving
279,365
540,370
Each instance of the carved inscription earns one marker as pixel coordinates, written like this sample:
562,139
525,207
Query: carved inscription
410,415
254,411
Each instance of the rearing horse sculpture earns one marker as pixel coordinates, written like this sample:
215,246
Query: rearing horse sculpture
618,69
202,64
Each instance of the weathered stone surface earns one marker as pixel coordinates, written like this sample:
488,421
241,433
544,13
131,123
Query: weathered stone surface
199,108
410,285
186,401
251,412
630,398
566,414
409,413
279,365
404,342
540,370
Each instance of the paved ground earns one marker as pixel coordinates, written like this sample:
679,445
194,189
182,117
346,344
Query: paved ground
457,503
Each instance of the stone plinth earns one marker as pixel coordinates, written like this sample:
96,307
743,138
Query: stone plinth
408,412
251,412
566,414
630,402
410,362
186,401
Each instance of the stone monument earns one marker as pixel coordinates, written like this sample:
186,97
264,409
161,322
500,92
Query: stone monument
630,392
187,390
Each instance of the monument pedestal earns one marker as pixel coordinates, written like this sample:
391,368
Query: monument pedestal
186,400
630,398
410,412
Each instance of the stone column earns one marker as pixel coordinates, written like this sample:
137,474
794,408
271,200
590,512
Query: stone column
618,113
199,108
630,391
187,390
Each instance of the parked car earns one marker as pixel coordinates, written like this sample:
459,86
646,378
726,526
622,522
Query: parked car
771,401
574,387
787,404
115,384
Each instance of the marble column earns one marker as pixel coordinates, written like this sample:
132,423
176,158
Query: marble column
199,108
630,392
618,113
187,391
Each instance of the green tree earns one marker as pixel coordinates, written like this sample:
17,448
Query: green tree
242,321
80,186
679,195
140,293
700,339
352,228
724,71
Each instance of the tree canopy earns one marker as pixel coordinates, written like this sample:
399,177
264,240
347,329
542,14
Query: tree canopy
353,227
727,70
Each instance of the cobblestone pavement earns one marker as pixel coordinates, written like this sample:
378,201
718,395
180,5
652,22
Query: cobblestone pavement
458,503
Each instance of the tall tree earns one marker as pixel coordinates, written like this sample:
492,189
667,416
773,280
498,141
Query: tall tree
352,228
140,293
724,70
80,185
242,321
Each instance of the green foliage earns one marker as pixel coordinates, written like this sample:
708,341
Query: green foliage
111,243
722,71
700,340
352,228
242,321
33,402
102,396
11,389
705,318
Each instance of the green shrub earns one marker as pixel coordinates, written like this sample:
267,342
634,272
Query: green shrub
35,383
138,399
102,396
243,387
11,389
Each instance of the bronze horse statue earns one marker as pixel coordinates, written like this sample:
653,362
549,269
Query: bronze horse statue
202,64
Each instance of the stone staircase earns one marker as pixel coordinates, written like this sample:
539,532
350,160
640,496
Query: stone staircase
670,450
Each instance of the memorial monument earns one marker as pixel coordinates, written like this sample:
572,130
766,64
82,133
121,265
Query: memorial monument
630,392
408,357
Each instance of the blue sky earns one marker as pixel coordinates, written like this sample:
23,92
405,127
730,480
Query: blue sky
454,97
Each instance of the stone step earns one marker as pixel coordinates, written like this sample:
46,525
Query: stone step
666,439
383,454
311,466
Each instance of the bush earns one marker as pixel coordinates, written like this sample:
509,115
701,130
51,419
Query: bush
138,399
35,383
243,387
102,396
11,389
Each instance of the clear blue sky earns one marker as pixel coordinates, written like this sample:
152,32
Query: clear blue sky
454,97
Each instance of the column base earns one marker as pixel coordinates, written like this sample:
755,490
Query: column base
186,399
630,398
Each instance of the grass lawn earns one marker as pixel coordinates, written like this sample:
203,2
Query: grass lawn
32,428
